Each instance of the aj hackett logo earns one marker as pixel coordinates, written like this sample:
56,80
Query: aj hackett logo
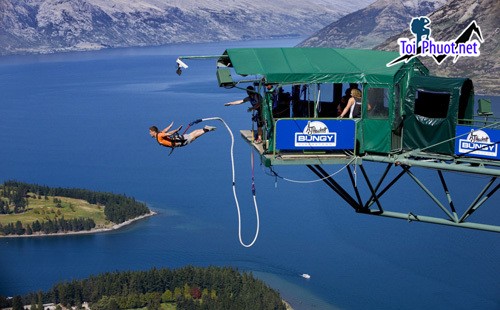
424,45
315,134
478,142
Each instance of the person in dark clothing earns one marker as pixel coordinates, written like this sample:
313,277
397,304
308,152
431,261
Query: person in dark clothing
255,100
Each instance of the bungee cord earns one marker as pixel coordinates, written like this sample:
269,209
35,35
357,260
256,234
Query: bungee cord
275,174
234,184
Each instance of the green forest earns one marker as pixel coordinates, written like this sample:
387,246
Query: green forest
51,210
185,288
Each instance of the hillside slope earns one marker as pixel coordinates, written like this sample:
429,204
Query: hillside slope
447,23
43,26
368,27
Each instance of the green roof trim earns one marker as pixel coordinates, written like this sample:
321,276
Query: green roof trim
315,65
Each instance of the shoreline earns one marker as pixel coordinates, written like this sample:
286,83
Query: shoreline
85,232
287,305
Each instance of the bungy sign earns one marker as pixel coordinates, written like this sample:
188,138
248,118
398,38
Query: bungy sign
482,143
315,134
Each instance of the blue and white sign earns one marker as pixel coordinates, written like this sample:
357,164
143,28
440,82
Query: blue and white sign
315,134
481,143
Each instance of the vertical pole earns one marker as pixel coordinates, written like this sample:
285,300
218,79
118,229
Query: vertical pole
267,115
354,186
316,101
337,96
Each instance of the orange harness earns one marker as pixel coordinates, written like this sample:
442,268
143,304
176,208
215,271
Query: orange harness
171,141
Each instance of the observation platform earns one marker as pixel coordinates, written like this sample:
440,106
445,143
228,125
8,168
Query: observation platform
299,158
411,159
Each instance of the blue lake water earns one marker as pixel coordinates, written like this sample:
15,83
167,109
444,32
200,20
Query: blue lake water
81,120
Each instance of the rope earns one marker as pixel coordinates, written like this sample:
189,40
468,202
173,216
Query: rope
191,124
310,181
234,185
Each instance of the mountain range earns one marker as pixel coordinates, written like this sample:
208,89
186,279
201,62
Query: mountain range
46,26
370,26
380,24
447,23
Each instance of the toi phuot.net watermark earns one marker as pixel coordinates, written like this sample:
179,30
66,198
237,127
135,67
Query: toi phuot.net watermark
424,45
431,47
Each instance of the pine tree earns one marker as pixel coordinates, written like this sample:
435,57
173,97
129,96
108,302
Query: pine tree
167,296
19,230
39,301
17,303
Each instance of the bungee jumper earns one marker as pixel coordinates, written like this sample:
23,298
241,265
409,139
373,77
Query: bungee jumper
172,138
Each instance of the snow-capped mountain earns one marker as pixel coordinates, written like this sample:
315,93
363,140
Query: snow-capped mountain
58,25
368,27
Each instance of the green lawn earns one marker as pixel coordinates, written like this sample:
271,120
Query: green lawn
163,306
45,209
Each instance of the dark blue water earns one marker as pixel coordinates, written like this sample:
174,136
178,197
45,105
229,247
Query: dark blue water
81,120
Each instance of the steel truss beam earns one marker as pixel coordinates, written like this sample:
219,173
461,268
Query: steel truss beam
373,205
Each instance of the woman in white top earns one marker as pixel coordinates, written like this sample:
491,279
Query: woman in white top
353,106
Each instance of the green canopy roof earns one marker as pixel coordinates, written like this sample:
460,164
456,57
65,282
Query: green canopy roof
315,65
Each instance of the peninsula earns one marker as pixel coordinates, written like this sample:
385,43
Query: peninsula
28,210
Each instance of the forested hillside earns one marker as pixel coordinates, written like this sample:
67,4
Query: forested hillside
185,288
27,209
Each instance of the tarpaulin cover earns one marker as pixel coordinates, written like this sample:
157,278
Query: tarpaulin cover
314,65
432,133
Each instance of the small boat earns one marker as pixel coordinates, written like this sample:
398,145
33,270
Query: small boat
305,276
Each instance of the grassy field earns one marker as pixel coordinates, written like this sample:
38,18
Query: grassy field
163,306
69,208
